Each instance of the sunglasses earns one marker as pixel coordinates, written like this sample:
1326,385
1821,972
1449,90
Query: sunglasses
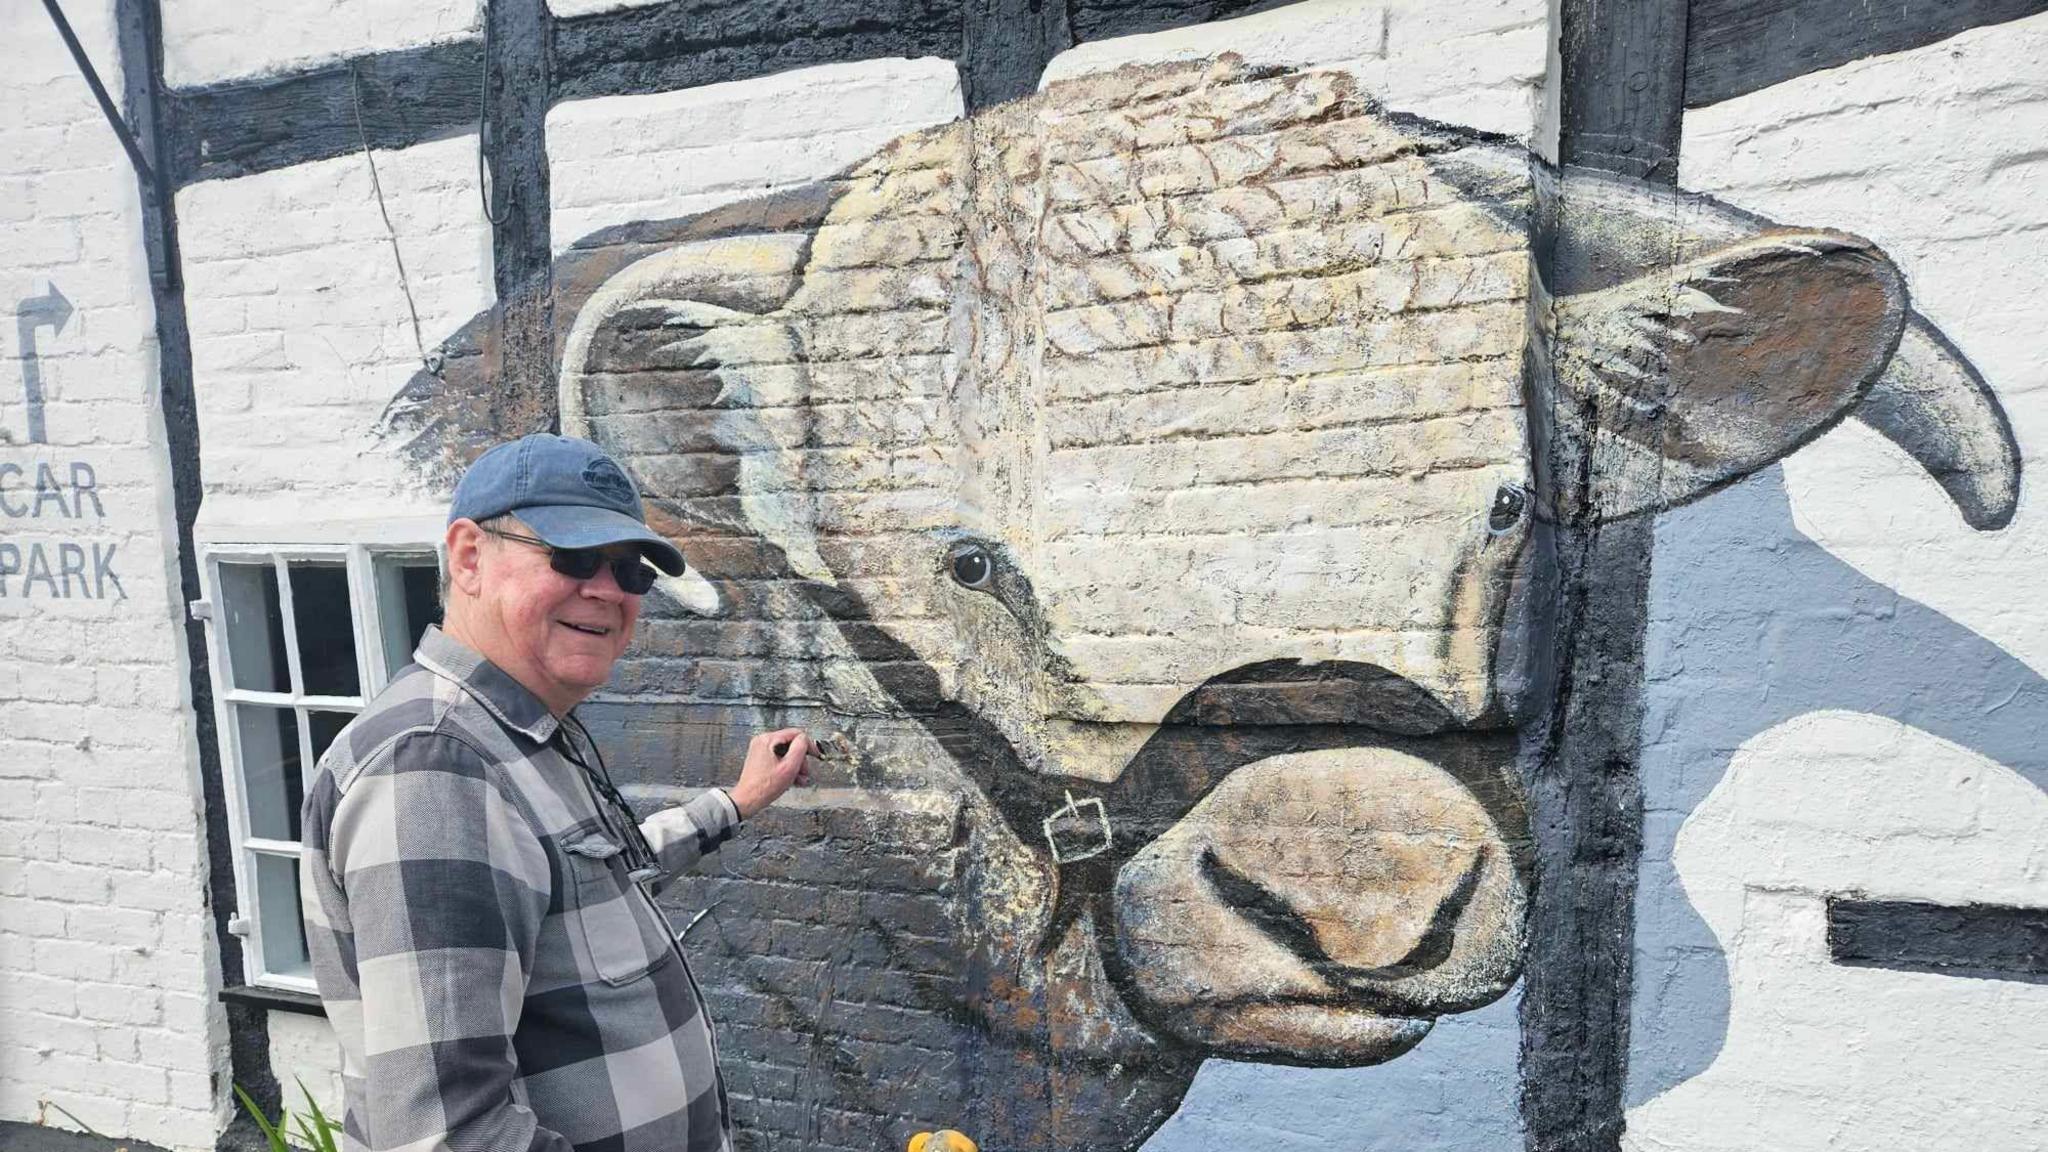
634,575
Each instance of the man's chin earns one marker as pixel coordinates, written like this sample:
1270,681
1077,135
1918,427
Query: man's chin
580,676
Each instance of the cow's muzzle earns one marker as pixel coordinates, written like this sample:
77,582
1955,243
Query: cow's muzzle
1306,862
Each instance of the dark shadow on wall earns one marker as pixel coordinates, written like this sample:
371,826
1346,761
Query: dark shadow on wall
1786,629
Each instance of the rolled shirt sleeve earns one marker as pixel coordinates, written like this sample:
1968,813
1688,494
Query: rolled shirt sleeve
685,834
448,885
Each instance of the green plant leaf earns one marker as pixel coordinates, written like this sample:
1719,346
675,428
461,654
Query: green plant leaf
271,1133
325,1141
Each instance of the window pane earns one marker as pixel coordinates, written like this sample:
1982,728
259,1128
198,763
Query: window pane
254,621
284,935
270,769
325,727
408,599
327,633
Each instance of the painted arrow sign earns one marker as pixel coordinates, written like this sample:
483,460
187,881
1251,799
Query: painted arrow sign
50,310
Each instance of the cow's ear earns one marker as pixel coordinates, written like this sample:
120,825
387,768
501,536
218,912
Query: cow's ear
1673,384
684,366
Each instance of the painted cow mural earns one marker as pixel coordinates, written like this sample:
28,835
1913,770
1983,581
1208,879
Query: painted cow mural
1158,478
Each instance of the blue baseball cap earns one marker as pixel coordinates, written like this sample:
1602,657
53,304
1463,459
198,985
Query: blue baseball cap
568,491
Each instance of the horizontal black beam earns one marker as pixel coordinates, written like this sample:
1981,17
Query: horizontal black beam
414,95
1988,941
688,43
1105,19
243,127
1740,46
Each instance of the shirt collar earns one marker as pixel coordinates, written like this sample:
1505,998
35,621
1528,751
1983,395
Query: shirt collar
511,702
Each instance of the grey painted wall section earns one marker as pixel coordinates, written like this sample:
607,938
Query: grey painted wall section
1458,1091
1726,573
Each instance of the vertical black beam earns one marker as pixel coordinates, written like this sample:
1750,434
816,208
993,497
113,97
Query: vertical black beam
1622,98
139,26
518,43
1005,46
1622,92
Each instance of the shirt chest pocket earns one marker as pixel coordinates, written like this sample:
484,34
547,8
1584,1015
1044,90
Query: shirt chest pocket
622,936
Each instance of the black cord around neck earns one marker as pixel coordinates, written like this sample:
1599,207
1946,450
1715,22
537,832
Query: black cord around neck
640,854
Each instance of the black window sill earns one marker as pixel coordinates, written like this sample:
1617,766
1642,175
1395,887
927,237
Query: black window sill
276,999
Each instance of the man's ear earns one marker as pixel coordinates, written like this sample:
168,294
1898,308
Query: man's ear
1676,383
463,545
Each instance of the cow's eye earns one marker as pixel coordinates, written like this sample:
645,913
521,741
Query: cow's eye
1510,504
972,566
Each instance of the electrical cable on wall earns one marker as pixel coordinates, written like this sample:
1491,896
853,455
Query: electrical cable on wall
484,188
430,363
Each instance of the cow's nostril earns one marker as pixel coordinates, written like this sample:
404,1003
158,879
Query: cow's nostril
1265,910
1275,916
1434,946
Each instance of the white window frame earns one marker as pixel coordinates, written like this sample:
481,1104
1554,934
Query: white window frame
360,561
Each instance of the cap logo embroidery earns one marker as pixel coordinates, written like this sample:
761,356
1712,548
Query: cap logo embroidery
605,479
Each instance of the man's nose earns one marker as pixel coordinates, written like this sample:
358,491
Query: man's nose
603,585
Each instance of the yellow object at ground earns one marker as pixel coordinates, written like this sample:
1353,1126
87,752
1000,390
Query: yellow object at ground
944,1140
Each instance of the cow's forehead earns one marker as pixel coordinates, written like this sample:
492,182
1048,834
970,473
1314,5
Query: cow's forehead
1232,364
1127,303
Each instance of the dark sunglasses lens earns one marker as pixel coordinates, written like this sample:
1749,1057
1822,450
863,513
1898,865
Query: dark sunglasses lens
576,563
582,563
633,576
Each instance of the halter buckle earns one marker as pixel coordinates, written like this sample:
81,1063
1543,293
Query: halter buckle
1085,836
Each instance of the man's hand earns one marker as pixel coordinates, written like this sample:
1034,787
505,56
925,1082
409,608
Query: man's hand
775,760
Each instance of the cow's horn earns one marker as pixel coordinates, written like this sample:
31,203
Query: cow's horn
1932,403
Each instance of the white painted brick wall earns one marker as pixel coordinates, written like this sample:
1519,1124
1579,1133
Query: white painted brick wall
304,1054
624,158
107,969
301,333
206,41
1478,63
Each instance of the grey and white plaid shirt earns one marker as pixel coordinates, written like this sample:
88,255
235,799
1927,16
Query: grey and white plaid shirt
497,980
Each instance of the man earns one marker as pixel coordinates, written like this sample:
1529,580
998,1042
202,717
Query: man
478,897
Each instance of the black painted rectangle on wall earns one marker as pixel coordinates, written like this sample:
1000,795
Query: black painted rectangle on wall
1741,46
1987,941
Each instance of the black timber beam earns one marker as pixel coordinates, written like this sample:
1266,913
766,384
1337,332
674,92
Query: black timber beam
91,75
1741,46
415,95
1005,46
1622,96
1621,87
689,43
243,127
518,34
1106,19
1984,941
139,30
